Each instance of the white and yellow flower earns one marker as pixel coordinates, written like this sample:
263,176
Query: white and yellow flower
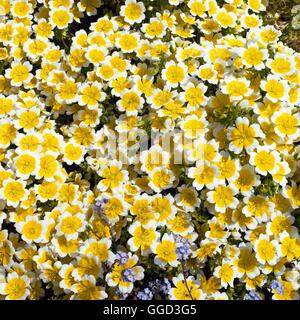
244,135
141,238
70,225
187,198
87,289
73,153
60,17
246,180
275,88
165,251
226,19
128,42
132,11
15,287
194,127
19,73
223,197
32,229
186,289
161,179
175,74
226,273
26,164
246,262
203,174
254,56
286,124
266,250
236,88
281,65
113,177
264,160
131,102
13,192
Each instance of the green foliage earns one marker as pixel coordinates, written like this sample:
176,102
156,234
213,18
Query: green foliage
230,113
285,14
267,187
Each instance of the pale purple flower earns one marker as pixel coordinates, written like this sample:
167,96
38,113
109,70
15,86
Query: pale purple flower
277,286
252,295
146,294
122,257
128,275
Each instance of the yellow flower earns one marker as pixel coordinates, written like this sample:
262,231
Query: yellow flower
60,17
266,250
21,8
289,247
254,56
236,88
73,153
128,42
264,160
6,104
70,225
289,292
225,19
96,55
14,191
141,238
113,176
197,7
160,179
246,262
8,133
186,289
16,287
46,191
154,29
99,249
275,88
19,73
67,91
174,74
187,198
130,102
43,29
132,11
244,135
194,127
165,251
86,289
48,167
287,125
90,6
32,229
65,247
226,273
26,165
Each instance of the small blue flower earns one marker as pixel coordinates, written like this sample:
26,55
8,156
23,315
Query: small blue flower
277,286
182,252
99,206
155,285
166,286
121,295
146,294
128,275
183,247
160,285
252,295
122,257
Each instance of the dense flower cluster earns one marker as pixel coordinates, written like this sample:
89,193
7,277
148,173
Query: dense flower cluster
86,213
